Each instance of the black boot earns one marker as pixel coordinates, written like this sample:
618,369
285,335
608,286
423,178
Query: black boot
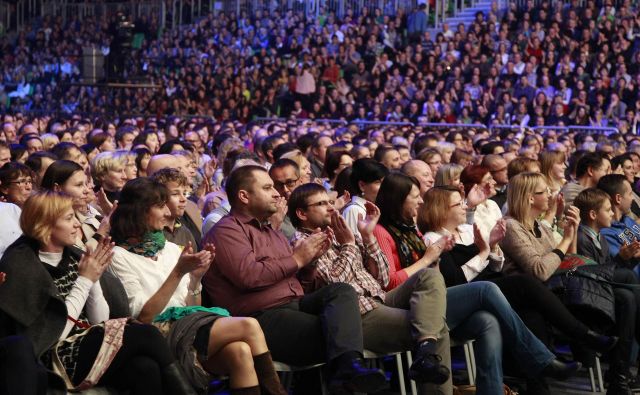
427,366
352,375
619,385
599,343
561,370
175,381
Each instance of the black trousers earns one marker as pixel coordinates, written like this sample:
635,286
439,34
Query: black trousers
20,372
627,304
316,328
538,307
137,366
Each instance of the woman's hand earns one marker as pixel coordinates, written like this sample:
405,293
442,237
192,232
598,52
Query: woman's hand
572,221
94,263
497,233
342,201
479,241
190,262
476,196
201,270
105,224
368,223
445,243
559,204
103,202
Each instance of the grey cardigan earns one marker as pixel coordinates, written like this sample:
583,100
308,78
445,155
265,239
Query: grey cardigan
525,252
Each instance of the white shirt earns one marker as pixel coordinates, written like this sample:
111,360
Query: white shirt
142,277
10,225
84,294
475,265
352,211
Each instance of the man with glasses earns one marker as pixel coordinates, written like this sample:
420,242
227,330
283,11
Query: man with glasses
498,168
408,317
286,177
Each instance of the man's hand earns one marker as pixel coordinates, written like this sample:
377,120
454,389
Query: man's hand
343,234
306,250
277,218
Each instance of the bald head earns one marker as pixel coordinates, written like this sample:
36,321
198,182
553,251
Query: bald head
420,171
159,162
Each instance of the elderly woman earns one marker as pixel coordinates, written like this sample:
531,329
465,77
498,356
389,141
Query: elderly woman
16,182
108,171
55,299
164,286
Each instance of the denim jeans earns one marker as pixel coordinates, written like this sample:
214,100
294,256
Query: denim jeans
480,311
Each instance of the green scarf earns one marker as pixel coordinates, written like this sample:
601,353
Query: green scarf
151,244
409,244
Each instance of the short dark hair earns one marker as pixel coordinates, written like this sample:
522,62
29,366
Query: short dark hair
393,192
129,220
34,161
366,170
613,184
59,172
283,149
619,160
298,199
590,199
62,150
239,179
282,163
591,160
269,143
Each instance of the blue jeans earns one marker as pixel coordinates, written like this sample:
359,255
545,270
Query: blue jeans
480,311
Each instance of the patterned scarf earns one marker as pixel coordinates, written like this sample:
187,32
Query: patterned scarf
151,244
409,244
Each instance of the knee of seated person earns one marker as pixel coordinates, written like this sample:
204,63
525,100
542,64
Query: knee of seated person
485,322
238,353
626,276
490,289
429,278
342,289
250,326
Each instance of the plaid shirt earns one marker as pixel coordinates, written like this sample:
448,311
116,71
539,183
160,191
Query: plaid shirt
345,264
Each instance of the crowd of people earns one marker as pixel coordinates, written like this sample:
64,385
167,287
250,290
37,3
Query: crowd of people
532,64
157,252
233,246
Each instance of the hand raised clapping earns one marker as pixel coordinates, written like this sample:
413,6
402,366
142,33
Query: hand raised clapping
94,263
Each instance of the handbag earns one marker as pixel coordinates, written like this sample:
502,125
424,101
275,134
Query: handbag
586,288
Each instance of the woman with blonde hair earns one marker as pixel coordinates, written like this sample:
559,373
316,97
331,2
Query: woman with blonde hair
54,297
446,150
529,245
448,175
108,171
49,140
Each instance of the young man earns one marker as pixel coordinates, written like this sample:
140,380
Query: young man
412,316
254,274
176,184
590,168
597,214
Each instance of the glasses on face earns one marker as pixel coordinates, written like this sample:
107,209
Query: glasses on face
547,191
322,203
290,184
461,203
22,182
